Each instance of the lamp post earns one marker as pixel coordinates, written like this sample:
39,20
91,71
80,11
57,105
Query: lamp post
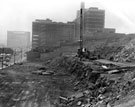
2,57
14,55
21,51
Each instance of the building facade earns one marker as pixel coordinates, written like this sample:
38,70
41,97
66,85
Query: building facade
93,20
46,33
18,39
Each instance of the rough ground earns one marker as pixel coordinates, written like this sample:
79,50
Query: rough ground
98,83
107,46
20,88
115,87
75,83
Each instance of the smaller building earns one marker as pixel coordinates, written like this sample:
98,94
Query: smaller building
2,45
18,39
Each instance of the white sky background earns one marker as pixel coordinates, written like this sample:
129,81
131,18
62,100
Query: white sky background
17,15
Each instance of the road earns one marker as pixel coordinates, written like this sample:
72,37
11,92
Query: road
20,88
18,58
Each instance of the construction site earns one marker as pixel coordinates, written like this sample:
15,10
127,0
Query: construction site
82,80
96,71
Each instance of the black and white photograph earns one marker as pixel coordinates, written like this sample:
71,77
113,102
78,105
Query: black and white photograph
67,53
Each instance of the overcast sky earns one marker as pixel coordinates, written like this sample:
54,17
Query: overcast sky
17,15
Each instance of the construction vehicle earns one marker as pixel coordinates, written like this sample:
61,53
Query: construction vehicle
83,52
86,54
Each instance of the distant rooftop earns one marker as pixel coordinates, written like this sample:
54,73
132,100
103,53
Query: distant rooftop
94,9
42,20
51,22
19,32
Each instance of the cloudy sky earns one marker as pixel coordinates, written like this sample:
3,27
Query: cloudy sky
17,15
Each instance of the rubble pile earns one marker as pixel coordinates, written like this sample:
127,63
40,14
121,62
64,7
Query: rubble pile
71,65
107,52
56,64
127,54
96,87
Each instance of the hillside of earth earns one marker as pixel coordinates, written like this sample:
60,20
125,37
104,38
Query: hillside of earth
66,81
94,85
107,46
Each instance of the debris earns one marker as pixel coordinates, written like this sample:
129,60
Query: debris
79,103
108,105
113,71
104,66
97,84
127,54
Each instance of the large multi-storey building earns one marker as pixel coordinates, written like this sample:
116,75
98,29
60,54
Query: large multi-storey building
46,33
18,39
93,20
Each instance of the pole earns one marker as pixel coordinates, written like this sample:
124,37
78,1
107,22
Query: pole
81,26
81,30
14,55
2,57
21,54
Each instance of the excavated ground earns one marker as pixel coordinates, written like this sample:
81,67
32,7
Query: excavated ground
20,88
68,82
